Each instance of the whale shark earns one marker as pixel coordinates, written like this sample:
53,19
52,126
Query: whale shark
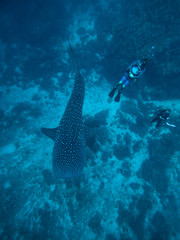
68,157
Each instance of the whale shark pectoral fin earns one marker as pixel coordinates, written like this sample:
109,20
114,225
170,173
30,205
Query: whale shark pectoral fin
50,132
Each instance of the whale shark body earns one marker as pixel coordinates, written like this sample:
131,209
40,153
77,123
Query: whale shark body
68,158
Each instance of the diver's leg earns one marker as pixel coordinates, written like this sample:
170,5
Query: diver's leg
111,94
117,98
118,86
159,124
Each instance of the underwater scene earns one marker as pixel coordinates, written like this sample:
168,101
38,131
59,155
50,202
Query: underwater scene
90,120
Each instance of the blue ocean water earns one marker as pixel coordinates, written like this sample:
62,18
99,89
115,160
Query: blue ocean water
130,184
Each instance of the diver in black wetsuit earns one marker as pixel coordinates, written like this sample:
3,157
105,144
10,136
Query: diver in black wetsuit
134,71
160,118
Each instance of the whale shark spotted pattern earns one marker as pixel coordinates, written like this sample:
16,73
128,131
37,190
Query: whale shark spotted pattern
70,136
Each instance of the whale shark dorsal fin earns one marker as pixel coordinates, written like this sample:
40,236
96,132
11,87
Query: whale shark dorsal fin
50,132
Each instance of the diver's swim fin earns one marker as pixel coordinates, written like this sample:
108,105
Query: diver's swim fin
111,94
117,98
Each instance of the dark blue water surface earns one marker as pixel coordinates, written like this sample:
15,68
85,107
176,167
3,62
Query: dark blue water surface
130,185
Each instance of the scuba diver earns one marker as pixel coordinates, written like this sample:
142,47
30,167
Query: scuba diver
134,71
161,116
